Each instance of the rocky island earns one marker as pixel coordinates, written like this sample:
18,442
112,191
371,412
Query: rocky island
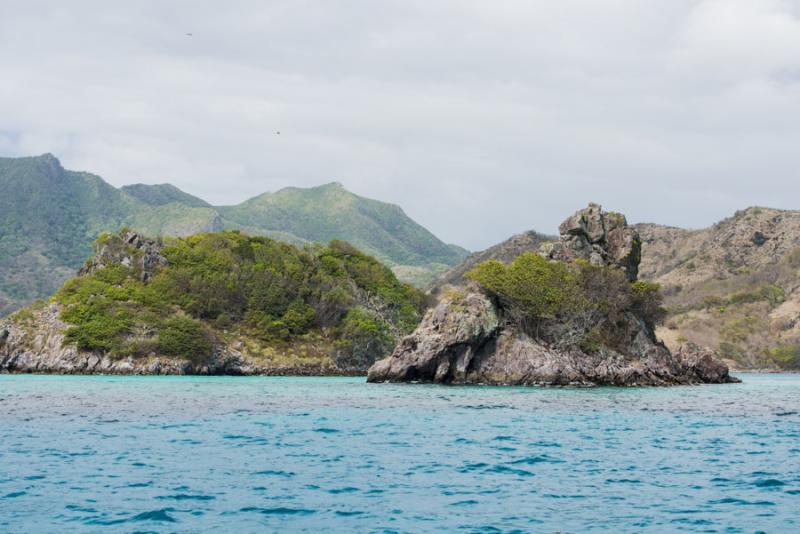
574,313
214,303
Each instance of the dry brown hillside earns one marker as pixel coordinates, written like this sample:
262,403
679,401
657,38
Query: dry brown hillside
734,286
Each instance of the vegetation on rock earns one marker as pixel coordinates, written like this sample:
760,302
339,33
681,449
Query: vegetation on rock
568,304
210,285
574,314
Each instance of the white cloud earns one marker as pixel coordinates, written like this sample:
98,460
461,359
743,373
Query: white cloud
480,119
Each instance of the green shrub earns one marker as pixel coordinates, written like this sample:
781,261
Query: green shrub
786,356
531,287
569,304
186,337
647,302
364,339
269,289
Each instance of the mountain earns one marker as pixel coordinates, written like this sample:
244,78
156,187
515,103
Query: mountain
49,217
734,286
331,212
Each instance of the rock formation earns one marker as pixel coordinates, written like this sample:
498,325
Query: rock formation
465,338
601,238
128,249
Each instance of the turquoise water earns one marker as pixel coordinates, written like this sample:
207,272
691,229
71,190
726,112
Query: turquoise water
191,454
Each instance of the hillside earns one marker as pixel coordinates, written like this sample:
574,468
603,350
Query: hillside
160,194
214,303
49,217
734,286
331,212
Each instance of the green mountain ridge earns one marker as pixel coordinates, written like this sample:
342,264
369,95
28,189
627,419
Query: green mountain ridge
49,217
330,211
160,194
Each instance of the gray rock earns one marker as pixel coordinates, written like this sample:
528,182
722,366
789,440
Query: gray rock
601,238
461,341
128,249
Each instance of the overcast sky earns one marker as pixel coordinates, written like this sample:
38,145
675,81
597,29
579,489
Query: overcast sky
480,118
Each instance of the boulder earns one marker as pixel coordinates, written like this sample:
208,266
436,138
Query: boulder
703,362
441,349
600,237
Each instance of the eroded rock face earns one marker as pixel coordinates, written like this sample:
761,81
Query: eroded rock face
443,347
128,249
465,340
702,361
600,237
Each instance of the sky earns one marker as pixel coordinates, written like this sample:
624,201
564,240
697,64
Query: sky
480,119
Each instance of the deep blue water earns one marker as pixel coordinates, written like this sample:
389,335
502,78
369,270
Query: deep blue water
189,454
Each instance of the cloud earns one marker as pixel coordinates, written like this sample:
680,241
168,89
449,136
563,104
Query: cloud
480,119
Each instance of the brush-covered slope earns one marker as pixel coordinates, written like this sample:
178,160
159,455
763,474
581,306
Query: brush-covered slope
331,212
214,303
49,217
734,286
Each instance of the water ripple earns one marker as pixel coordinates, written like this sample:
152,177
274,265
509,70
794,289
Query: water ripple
89,454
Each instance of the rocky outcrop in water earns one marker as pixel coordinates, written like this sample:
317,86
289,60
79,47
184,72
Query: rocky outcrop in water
467,339
461,341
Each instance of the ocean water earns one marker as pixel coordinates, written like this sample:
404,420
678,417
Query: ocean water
232,454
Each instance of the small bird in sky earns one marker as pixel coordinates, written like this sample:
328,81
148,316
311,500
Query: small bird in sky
277,133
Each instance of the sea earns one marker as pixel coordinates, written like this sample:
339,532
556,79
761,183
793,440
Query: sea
257,454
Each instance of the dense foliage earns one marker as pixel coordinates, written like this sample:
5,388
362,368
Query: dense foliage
218,282
568,304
